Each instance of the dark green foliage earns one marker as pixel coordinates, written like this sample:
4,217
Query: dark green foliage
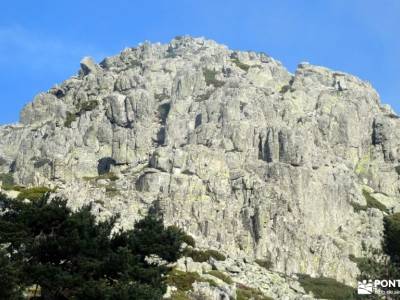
204,256
81,109
382,264
241,65
150,237
182,280
34,193
285,89
392,236
8,183
87,106
71,256
225,278
188,239
373,203
267,264
7,179
210,77
375,265
326,288
9,282
71,117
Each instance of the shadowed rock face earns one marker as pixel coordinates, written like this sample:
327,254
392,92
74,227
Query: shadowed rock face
230,146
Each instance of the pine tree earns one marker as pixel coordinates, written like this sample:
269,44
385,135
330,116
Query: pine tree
71,256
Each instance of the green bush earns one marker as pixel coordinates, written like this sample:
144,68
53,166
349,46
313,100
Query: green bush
71,117
82,108
225,278
358,207
284,89
87,106
203,256
267,264
210,77
182,280
188,239
34,193
7,180
9,278
241,65
373,203
392,236
326,288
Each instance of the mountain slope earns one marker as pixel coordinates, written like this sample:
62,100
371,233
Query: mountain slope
245,156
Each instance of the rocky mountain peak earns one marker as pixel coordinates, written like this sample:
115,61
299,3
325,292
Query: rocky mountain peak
248,158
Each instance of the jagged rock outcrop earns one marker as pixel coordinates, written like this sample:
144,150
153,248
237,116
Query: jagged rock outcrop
245,156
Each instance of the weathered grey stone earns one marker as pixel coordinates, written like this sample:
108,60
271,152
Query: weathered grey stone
246,157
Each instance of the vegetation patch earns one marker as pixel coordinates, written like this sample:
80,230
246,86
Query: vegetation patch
247,293
34,193
392,234
55,253
326,288
204,256
188,239
179,295
87,106
267,264
284,89
7,180
82,108
71,117
363,165
225,278
373,203
183,280
210,78
112,191
238,63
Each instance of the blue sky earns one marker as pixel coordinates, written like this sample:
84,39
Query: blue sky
42,42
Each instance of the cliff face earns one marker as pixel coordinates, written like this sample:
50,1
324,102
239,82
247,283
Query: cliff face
245,156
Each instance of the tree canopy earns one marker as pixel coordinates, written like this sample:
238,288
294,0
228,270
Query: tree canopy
61,254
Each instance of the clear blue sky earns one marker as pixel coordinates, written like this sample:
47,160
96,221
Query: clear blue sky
42,42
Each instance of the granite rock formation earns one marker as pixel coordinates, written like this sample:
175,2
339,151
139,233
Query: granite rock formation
248,158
